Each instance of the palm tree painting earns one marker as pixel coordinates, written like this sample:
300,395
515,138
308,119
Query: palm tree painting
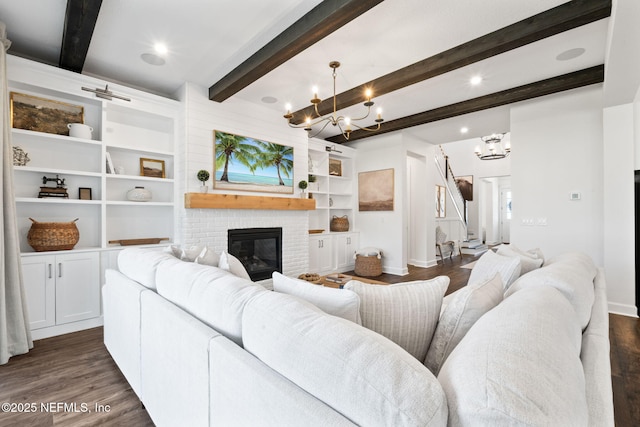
244,163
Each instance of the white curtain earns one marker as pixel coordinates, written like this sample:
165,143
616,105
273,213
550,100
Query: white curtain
15,336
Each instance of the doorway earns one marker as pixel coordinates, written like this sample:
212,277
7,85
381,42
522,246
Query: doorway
495,209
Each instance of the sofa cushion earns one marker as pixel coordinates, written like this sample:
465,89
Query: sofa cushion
208,257
185,253
360,374
465,307
571,273
528,261
211,294
140,264
232,264
406,313
519,365
490,263
337,302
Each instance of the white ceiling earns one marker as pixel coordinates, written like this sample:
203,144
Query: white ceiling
207,39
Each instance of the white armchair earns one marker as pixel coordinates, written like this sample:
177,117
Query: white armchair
444,247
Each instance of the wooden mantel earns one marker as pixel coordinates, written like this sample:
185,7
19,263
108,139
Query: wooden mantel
234,201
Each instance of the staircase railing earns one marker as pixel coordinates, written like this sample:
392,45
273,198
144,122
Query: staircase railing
449,180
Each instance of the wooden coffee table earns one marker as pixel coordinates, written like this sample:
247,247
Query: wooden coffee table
324,282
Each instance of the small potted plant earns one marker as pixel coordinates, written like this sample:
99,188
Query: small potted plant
303,186
203,176
313,185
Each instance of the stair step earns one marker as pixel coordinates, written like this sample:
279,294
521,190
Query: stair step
478,250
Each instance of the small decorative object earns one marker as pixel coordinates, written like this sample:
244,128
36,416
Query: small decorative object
58,191
84,193
313,184
80,130
203,176
120,170
53,236
43,115
110,168
139,194
309,277
303,186
20,157
337,278
152,168
145,241
376,190
339,223
330,201
335,167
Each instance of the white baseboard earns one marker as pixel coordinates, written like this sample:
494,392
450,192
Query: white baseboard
397,271
419,263
623,309
67,328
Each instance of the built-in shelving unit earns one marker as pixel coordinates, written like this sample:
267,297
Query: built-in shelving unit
145,127
334,193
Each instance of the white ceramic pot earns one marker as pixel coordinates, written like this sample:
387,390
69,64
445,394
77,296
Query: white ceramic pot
204,188
139,194
79,130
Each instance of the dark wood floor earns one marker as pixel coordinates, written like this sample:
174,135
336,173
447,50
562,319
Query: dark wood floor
76,370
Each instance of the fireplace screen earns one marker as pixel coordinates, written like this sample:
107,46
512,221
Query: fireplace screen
259,250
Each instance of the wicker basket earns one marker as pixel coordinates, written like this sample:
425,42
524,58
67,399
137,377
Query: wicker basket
53,236
339,223
368,266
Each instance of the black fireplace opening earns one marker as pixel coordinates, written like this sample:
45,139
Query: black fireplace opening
259,250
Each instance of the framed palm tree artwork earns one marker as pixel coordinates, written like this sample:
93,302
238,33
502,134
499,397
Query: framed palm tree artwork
249,164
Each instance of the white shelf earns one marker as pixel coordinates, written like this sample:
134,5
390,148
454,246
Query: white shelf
139,178
53,171
54,200
19,133
137,204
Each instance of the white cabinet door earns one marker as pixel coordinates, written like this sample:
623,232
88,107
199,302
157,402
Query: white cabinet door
77,287
40,290
321,254
346,244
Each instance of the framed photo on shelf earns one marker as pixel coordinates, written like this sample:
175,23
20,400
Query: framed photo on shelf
43,115
84,193
335,167
152,168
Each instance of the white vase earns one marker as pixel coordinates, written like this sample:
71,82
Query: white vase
204,189
139,194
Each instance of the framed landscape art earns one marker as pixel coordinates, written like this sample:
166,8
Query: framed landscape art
375,190
249,164
43,115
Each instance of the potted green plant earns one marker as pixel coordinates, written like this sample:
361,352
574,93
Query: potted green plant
303,186
203,176
313,185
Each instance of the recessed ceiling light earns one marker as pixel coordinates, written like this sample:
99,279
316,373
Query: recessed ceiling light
475,80
464,130
269,100
153,59
570,54
160,48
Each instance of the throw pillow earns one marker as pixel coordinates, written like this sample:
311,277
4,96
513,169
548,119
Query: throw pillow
466,306
528,260
491,263
208,257
337,302
186,253
233,265
406,313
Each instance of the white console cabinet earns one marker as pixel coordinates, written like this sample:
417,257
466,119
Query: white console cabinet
346,246
61,288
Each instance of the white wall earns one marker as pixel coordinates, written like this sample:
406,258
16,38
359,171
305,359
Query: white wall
557,150
619,238
209,226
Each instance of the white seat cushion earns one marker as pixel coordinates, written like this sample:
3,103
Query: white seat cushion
464,309
337,302
362,375
406,313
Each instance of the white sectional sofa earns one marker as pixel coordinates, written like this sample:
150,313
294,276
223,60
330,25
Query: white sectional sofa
201,346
